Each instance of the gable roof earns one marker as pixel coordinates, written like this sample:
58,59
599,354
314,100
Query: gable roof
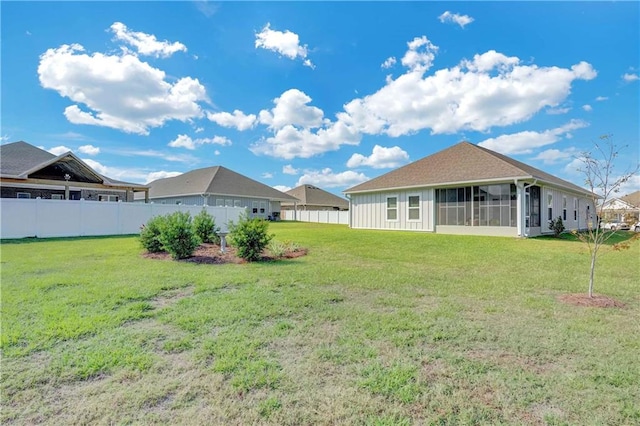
216,180
459,164
21,160
632,199
310,195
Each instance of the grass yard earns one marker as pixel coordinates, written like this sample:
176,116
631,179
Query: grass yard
372,328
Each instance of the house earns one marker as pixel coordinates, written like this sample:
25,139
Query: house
624,209
219,186
27,171
313,198
467,189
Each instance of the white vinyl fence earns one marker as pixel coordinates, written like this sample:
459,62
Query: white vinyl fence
318,216
21,218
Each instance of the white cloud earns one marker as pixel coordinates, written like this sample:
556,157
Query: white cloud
420,55
489,90
552,156
328,179
216,152
89,150
199,129
184,141
236,120
146,44
525,142
462,20
587,108
4,138
167,156
120,92
602,98
285,43
160,175
289,170
267,175
630,77
59,150
292,109
380,158
388,63
558,110
281,188
290,142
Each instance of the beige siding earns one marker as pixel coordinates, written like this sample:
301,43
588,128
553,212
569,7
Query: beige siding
369,211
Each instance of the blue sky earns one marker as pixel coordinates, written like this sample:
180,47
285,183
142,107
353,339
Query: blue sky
326,93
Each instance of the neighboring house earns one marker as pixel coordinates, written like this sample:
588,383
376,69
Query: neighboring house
624,209
313,198
27,171
219,186
467,189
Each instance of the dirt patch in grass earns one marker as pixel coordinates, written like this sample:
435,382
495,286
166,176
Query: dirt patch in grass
597,301
212,254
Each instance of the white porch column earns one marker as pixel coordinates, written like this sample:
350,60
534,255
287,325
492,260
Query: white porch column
520,199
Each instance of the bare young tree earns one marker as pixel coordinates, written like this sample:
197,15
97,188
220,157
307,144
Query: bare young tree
598,170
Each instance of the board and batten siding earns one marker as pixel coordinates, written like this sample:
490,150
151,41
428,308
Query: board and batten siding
225,200
369,211
553,199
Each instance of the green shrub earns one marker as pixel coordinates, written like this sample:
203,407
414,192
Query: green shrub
277,248
557,226
250,237
177,235
204,227
150,234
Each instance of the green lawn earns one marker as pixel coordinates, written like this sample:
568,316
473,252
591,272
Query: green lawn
369,328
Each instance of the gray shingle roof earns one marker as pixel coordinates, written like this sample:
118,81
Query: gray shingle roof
633,199
22,160
19,157
460,163
214,180
310,195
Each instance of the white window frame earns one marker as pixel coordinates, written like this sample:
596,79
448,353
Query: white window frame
263,207
387,209
219,202
57,197
23,195
254,207
237,203
575,209
419,208
107,197
228,202
564,207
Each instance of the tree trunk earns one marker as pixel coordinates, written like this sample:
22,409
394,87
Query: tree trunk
593,269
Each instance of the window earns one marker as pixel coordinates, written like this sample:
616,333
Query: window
57,197
549,207
107,197
575,209
484,205
392,208
23,195
254,207
413,211
263,207
219,202
228,203
564,208
236,203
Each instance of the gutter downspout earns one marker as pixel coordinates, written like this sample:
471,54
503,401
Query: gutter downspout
524,190
350,208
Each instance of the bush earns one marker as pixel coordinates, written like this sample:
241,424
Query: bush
250,237
150,234
177,235
204,227
557,226
277,248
